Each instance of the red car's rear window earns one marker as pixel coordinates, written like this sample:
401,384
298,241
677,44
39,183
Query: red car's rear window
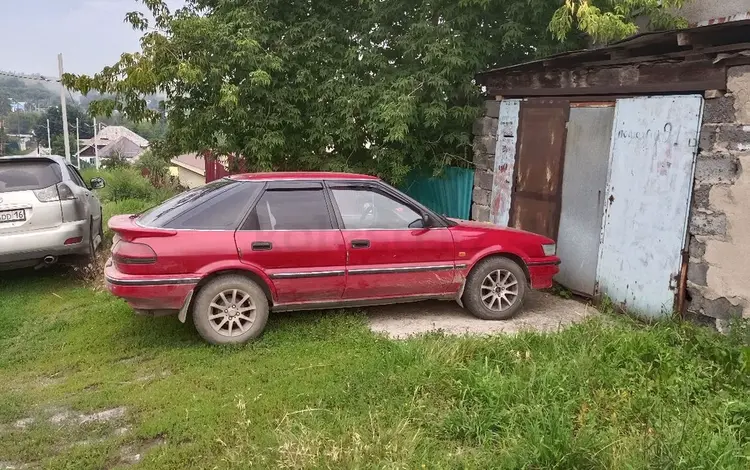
216,206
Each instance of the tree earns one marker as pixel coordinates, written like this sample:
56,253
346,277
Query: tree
4,104
58,144
32,92
365,85
609,20
23,122
54,114
154,164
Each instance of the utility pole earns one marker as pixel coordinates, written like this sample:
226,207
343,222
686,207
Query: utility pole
49,139
66,137
78,147
96,146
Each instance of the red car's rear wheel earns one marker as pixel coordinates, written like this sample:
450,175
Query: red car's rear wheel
230,310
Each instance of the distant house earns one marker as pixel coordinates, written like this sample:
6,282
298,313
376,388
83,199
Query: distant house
115,141
190,170
24,140
17,106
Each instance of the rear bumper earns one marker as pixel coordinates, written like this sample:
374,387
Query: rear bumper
36,244
149,292
541,272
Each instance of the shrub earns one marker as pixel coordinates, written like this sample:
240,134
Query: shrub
128,192
155,165
124,183
126,206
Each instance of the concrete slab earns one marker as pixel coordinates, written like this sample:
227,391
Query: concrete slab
542,312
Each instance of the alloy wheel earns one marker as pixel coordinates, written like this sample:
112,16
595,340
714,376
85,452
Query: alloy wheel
499,290
231,312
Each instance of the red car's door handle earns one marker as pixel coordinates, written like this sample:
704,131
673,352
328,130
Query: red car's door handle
360,243
262,246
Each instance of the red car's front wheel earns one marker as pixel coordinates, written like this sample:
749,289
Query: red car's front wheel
230,310
495,289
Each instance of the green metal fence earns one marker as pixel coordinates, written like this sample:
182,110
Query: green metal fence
448,194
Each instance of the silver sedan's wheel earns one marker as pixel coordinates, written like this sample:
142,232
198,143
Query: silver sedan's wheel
499,290
231,312
230,309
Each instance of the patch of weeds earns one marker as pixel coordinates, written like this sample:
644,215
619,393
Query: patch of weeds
91,271
561,291
319,390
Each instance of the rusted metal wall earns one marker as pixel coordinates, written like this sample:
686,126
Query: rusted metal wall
584,182
535,205
505,160
654,143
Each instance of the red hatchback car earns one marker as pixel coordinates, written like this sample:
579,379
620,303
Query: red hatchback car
231,251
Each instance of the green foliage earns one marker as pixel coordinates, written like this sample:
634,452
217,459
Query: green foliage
34,94
58,144
321,391
5,108
127,184
128,192
22,122
146,129
54,114
372,86
561,291
610,20
154,164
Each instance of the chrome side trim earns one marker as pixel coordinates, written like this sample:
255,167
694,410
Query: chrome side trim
460,266
152,282
302,275
406,269
322,305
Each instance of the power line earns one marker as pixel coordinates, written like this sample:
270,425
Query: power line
26,77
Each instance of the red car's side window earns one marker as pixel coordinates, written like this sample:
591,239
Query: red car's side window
296,209
369,209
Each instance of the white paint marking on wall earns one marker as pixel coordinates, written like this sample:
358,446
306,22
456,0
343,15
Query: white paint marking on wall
505,159
649,188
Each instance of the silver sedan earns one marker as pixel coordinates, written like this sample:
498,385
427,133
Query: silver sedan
47,212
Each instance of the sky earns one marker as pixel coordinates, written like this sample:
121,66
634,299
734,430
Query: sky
89,33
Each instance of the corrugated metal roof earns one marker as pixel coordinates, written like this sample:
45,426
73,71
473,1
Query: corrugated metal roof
645,39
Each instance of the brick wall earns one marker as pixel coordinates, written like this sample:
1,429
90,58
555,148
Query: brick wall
719,269
485,142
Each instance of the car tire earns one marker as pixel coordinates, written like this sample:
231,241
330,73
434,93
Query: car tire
230,309
495,289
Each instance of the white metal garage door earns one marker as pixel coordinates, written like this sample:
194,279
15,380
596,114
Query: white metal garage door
654,143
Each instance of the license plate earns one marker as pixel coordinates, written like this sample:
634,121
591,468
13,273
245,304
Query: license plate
13,216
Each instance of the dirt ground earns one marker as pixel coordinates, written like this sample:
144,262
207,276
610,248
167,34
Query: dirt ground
541,312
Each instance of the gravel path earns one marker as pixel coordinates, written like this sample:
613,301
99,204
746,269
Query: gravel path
541,312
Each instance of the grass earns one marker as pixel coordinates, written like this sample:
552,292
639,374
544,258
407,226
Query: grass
321,391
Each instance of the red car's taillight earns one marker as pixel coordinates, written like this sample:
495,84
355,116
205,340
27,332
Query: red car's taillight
125,252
